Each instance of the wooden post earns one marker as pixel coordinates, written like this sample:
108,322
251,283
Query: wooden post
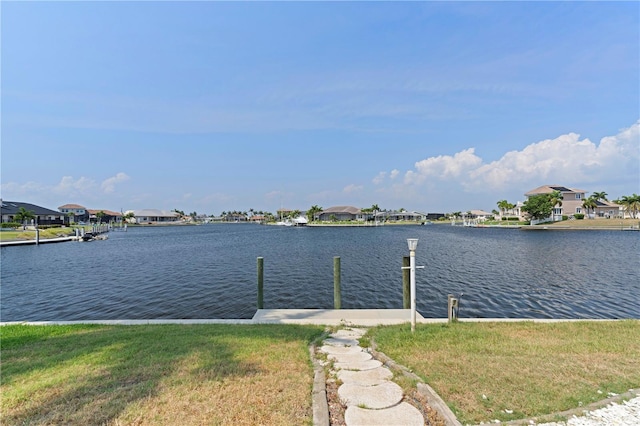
260,283
337,304
406,294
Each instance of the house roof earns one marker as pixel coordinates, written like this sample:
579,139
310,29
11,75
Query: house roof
12,207
480,213
342,209
604,203
72,206
547,189
154,213
107,212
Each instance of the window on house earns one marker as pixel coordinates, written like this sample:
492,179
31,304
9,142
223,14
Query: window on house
578,196
578,210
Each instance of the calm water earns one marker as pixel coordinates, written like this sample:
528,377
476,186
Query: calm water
210,272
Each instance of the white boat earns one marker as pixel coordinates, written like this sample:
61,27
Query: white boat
298,221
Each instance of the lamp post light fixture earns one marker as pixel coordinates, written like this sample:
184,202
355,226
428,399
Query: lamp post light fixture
413,244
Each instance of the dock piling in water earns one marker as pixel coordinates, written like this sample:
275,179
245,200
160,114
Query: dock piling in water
260,283
337,303
406,292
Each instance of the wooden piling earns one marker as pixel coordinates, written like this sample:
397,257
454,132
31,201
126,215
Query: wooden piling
406,291
337,303
260,283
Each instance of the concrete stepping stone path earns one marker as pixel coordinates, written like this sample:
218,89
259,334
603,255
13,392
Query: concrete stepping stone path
367,390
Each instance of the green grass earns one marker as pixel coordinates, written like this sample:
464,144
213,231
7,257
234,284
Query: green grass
164,374
483,370
21,235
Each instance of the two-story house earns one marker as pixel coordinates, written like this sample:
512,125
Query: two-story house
570,204
75,212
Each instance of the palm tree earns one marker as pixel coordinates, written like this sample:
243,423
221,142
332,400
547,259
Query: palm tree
311,213
556,200
503,205
588,204
599,196
23,215
631,204
100,215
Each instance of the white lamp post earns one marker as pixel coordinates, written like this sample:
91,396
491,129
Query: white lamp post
413,244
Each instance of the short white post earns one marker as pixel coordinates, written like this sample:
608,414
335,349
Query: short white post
413,244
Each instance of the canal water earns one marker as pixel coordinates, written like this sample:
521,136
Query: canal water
209,271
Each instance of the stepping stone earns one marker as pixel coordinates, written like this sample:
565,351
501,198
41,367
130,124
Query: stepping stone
384,395
365,378
337,350
360,366
402,414
355,357
353,333
340,341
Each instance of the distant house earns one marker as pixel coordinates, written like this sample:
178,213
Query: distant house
607,209
235,217
435,216
401,216
74,212
42,215
572,200
340,213
150,216
109,216
480,215
258,218
513,213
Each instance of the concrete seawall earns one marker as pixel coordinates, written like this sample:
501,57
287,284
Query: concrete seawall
360,317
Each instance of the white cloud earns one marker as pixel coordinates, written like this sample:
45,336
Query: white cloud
12,189
567,160
109,184
350,189
394,173
379,178
443,167
70,186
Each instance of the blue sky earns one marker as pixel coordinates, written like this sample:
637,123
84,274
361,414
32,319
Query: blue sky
215,106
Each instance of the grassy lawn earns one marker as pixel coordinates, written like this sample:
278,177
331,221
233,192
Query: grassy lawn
508,371
157,374
595,223
44,233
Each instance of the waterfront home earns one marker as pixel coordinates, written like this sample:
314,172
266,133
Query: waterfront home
153,216
74,212
398,216
570,204
42,215
106,217
514,212
258,218
608,209
479,215
340,213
